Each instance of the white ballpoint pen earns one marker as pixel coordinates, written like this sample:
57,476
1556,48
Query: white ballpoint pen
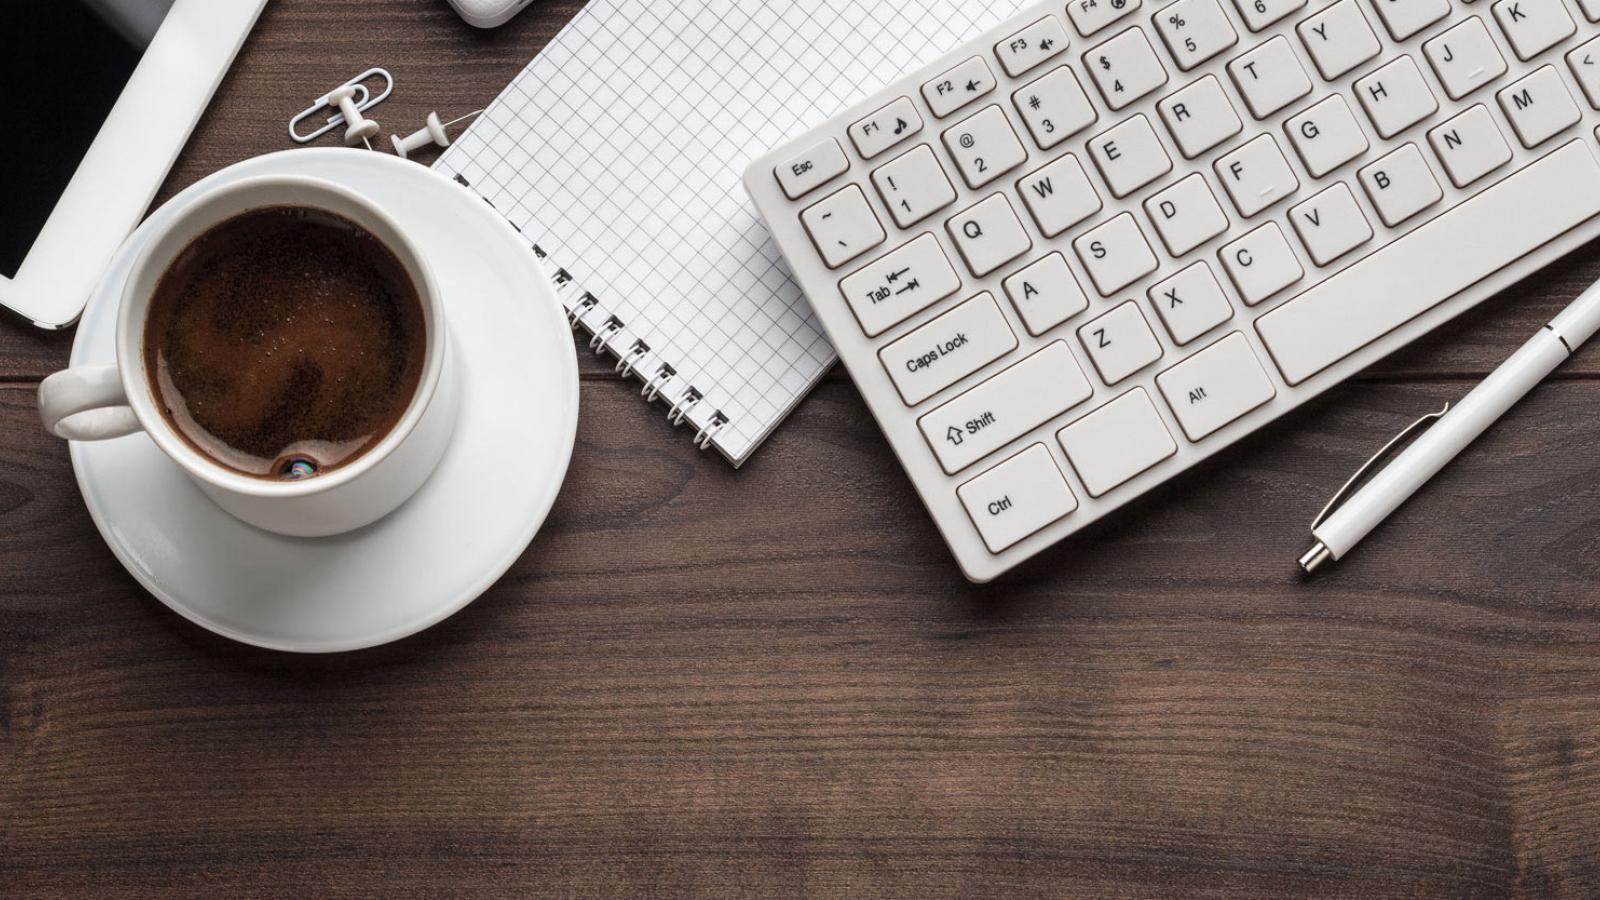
1340,526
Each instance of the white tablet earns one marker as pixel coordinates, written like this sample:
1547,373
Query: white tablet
99,96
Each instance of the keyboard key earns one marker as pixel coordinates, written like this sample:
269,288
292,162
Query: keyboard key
1017,498
1215,386
1533,26
1199,116
1116,442
1186,214
1007,406
1585,65
842,226
1326,136
1470,146
988,234
1395,97
1059,195
1115,254
1031,46
1129,156
913,186
1459,248
1120,342
1190,303
958,87
899,284
1269,77
1194,31
1256,175
1400,185
885,128
948,348
1260,263
1330,224
1464,58
1089,16
1258,14
1045,294
807,171
1590,9
1405,18
984,146
1054,108
1538,107
1125,68
1338,39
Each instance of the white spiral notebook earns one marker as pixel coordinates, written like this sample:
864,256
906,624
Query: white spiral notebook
618,153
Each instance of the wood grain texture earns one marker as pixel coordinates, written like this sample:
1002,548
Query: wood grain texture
774,682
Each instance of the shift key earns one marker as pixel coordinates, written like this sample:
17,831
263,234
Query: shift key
948,349
1007,406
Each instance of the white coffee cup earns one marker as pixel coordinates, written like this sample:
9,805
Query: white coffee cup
109,400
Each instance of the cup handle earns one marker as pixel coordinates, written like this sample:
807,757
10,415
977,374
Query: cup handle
86,403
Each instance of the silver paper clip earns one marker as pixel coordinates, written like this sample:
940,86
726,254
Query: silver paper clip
364,99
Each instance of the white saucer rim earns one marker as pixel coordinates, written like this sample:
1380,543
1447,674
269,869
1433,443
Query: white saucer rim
546,502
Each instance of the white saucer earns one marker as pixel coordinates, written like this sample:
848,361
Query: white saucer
455,537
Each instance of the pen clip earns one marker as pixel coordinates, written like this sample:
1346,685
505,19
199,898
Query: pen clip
1339,495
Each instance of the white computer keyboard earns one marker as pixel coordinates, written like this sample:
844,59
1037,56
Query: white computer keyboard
1103,241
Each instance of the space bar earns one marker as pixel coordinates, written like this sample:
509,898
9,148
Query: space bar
1433,263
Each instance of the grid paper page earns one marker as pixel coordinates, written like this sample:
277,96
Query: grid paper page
619,151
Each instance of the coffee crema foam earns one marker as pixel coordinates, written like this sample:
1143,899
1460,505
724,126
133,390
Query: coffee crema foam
284,342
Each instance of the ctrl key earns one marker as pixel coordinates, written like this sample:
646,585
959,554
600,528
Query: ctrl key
1017,498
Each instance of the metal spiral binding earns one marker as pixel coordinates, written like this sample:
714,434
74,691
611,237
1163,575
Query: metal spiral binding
702,438
581,309
685,404
635,353
652,387
597,343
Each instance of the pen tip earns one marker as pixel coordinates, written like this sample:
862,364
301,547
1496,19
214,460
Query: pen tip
1315,557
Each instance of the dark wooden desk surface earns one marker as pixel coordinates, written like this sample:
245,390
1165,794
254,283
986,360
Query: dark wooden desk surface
706,683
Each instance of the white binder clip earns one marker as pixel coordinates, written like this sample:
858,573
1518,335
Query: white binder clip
361,99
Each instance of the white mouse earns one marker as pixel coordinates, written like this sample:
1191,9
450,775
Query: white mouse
488,13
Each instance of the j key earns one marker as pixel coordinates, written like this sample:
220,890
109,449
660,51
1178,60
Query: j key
1017,498
947,349
899,284
1120,342
1338,39
1470,146
1194,31
1114,443
1464,58
1129,156
1400,185
1270,77
984,146
1031,46
913,186
1045,294
1215,386
988,234
1010,404
1256,175
842,226
1059,195
1395,97
1190,303
1260,264
1538,107
885,128
1326,136
958,87
1125,68
1533,26
1054,107
1199,116
1115,253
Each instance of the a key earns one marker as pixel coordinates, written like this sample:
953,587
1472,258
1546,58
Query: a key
1194,31
1585,65
1395,97
1258,14
1045,294
1590,9
1269,77
984,146
810,169
1120,342
1010,404
1330,224
1533,26
1470,146
1260,264
1186,214
948,348
1121,439
1400,185
1190,303
988,234
1031,46
1458,248
1538,106
1017,498
1326,136
1405,18
885,128
1215,386
1125,68
1199,116
1115,254
1464,58
842,226
1338,39
1054,107
1129,156
899,284
959,86
1059,195
1256,175
913,186
1090,16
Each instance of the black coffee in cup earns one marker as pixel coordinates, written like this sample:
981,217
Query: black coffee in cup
284,342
